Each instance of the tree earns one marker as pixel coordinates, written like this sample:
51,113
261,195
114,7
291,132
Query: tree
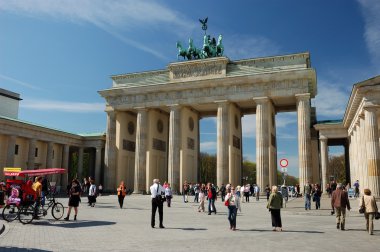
207,167
248,172
337,168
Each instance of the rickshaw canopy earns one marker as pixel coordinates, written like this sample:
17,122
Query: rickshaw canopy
32,173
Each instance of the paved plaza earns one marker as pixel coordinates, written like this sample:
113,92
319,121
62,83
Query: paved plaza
106,227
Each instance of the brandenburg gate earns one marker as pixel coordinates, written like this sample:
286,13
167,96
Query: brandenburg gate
153,119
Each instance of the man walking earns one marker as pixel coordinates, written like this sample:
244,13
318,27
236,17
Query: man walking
307,193
156,190
339,201
356,185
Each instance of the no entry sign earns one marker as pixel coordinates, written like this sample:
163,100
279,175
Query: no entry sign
284,162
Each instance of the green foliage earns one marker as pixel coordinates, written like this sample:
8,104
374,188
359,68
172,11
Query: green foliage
207,169
337,168
248,172
290,180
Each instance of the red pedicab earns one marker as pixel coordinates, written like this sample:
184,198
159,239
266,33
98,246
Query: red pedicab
21,200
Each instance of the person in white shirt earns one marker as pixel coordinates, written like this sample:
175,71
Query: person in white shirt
92,194
233,203
156,190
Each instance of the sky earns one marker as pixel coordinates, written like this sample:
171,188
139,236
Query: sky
58,54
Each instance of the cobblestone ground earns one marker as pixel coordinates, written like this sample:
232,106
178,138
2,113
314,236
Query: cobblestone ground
107,227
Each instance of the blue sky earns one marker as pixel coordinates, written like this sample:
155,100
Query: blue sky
58,54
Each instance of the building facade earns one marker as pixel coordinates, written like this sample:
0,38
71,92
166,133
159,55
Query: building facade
153,119
31,146
358,132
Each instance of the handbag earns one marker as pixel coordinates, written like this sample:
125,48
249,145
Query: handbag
227,202
362,207
377,215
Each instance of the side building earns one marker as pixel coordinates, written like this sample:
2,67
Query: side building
32,146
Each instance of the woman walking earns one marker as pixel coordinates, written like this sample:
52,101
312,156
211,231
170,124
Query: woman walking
202,197
121,192
168,194
74,199
274,205
92,194
370,206
233,203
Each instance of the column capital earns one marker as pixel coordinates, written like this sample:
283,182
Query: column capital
261,100
371,107
141,109
323,139
222,102
303,97
174,107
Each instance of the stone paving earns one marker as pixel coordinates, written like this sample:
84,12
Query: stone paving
109,228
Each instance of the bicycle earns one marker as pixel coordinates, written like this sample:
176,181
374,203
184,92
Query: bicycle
28,212
10,212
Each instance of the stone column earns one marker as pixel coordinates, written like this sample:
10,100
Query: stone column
98,160
373,150
49,156
31,153
141,145
174,147
324,162
262,142
65,164
110,154
80,163
222,158
363,155
303,114
11,151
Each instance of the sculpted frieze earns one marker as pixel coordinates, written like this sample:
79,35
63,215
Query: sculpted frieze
198,70
207,94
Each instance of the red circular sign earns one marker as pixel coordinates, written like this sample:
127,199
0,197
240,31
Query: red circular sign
284,162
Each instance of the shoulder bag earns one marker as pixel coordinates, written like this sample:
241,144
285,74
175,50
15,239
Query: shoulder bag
362,207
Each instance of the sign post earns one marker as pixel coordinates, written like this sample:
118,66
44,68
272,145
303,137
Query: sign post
284,163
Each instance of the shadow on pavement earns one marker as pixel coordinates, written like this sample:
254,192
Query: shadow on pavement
21,249
74,224
283,231
188,229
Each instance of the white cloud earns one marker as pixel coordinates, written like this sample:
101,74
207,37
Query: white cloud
24,84
331,100
208,147
113,17
249,46
73,107
371,10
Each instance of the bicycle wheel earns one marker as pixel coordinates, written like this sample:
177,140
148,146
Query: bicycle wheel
57,211
10,212
26,214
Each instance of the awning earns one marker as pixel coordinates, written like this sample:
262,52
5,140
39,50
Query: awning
32,173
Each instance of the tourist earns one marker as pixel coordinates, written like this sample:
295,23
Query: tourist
339,202
241,195
328,190
156,190
74,199
37,187
222,192
274,205
168,194
356,185
333,186
202,197
257,192
92,194
185,191
317,193
233,203
121,192
211,195
267,191
196,192
45,190
246,192
307,194
370,206
100,189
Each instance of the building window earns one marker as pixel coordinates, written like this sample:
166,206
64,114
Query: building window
16,149
36,152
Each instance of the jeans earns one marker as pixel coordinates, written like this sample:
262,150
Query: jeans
317,202
307,201
211,203
196,198
369,222
232,212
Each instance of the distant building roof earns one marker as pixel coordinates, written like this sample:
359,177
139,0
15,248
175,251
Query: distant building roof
10,94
